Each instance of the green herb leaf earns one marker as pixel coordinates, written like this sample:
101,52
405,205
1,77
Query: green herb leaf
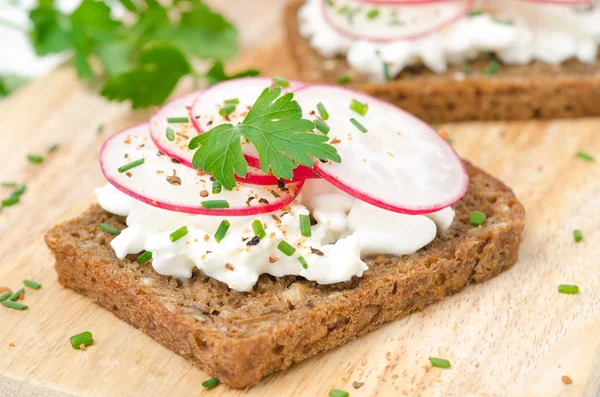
216,73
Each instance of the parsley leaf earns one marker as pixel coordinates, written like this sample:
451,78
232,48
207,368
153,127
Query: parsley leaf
274,125
216,74
158,69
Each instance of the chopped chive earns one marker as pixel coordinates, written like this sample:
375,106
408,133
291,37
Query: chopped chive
216,187
34,158
222,230
359,107
227,109
338,393
99,129
179,233
53,148
330,3
568,289
343,79
577,235
9,184
32,284
303,262
503,21
131,165
232,101
322,111
374,13
84,338
358,125
321,126
12,200
145,257
477,218
386,71
492,68
214,204
585,156
287,249
15,305
305,225
174,120
170,134
109,229
467,69
280,81
20,191
258,229
16,294
439,362
5,296
211,383
475,13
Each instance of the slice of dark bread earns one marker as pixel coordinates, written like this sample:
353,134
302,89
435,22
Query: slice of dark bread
514,92
241,337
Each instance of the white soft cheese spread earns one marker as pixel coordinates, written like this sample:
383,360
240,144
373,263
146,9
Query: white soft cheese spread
345,230
516,31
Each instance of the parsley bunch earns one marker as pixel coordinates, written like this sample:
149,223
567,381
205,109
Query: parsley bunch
274,125
141,60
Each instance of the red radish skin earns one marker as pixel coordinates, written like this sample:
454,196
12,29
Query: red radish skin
560,2
351,31
149,184
419,148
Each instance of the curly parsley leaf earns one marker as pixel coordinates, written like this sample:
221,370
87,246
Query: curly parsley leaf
274,125
216,73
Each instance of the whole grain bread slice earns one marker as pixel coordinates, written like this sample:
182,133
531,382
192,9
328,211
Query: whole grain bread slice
515,92
241,337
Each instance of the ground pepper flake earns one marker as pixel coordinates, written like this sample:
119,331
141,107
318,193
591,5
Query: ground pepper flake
357,385
174,179
204,193
316,251
273,259
229,266
129,174
566,380
253,241
206,237
334,141
263,201
444,134
275,194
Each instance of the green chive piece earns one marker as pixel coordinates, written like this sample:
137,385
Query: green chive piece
305,225
280,81
359,107
477,218
216,187
84,338
53,148
174,120
19,191
303,262
467,69
214,204
15,305
585,156
12,200
227,109
258,229
170,134
222,230
321,126
99,129
32,284
374,13
475,13
109,229
287,249
211,383
577,235
358,125
5,296
568,289
343,79
439,362
232,101
16,294
503,21
322,111
145,257
386,71
492,68
34,158
179,233
9,184
131,165
338,393
330,3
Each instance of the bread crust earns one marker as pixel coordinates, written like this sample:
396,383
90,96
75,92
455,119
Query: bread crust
241,337
515,92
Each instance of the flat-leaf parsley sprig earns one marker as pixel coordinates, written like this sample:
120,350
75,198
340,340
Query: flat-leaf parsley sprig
274,125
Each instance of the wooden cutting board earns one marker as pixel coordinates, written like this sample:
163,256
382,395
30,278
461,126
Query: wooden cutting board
512,336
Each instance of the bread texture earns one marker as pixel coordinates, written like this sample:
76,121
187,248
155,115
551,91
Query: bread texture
514,92
240,337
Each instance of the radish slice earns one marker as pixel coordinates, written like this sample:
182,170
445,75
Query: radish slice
170,185
390,22
400,164
561,2
402,2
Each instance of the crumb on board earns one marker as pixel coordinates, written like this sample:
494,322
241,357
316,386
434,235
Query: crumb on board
357,385
11,344
566,380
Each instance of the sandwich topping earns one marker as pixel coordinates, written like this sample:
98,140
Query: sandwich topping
380,39
302,180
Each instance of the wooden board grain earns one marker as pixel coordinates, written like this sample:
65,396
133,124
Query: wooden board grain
513,336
